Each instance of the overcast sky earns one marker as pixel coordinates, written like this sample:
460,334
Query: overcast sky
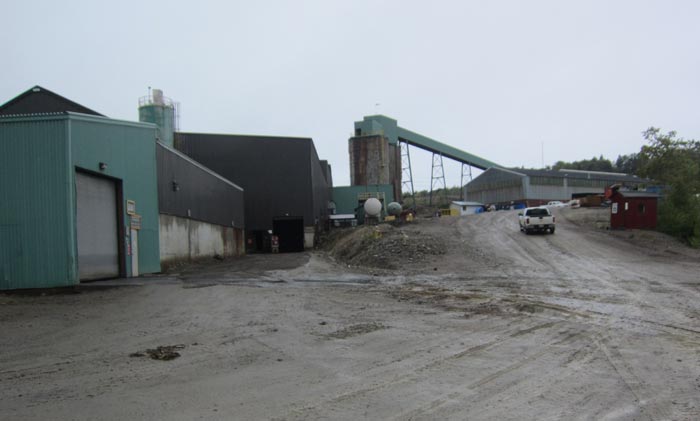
499,79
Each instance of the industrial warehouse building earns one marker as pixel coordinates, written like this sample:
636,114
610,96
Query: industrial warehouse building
537,187
65,181
80,196
201,213
287,188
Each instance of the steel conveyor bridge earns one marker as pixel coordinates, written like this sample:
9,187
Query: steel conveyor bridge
388,127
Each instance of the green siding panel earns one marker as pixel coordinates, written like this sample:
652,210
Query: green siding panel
129,150
345,197
38,160
36,243
388,127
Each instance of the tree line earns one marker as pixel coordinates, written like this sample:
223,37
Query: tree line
627,164
675,163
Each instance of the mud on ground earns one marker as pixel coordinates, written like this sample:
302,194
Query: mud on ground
447,318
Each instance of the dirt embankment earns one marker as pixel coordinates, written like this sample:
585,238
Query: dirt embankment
386,246
653,242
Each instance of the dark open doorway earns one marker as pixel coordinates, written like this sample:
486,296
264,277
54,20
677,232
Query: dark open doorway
290,231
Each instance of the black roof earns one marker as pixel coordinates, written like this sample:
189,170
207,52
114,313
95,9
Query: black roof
38,100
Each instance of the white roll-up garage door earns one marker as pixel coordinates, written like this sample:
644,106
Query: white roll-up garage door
98,248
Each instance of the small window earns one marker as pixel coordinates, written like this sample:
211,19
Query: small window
641,208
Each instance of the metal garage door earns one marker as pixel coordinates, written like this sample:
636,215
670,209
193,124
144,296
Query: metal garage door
98,249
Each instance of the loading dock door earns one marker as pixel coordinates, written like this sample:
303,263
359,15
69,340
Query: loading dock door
290,231
98,248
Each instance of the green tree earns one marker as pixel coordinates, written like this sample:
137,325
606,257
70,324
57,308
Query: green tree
593,164
675,162
628,164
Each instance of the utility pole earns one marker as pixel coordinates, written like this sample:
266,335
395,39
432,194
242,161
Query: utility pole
542,149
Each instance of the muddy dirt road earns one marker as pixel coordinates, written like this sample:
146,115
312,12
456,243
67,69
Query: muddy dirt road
581,324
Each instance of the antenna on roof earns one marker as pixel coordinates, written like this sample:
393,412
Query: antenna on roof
542,149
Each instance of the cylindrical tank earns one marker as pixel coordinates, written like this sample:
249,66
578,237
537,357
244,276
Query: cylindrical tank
161,111
394,209
373,207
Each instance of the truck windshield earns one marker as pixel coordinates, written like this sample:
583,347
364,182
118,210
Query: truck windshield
538,212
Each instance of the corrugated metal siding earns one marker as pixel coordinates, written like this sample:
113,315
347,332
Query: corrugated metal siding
274,172
129,150
495,178
345,197
320,187
641,212
36,223
499,186
502,195
544,192
199,194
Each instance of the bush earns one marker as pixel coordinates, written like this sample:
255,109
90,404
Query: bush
679,216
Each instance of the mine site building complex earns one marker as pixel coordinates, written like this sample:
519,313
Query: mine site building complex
287,188
85,197
538,187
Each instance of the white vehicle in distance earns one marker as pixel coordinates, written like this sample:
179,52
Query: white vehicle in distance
556,204
536,220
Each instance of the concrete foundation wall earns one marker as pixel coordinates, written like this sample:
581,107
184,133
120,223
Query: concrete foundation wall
309,237
183,239
369,160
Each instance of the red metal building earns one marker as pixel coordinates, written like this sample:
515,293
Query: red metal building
633,210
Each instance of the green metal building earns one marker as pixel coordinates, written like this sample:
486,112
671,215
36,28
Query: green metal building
78,199
347,199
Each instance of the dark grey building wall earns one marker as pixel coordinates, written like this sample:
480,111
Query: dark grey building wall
327,172
281,176
188,190
320,186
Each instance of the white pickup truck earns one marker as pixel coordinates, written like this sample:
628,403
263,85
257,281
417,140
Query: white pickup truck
536,220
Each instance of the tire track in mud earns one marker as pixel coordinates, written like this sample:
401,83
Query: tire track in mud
579,251
457,398
635,385
426,370
575,250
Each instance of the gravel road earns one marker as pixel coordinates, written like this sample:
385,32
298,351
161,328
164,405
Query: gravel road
582,324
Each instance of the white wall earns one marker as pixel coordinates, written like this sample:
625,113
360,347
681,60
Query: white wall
471,210
186,239
309,237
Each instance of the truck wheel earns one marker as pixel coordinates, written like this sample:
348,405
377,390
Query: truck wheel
551,230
